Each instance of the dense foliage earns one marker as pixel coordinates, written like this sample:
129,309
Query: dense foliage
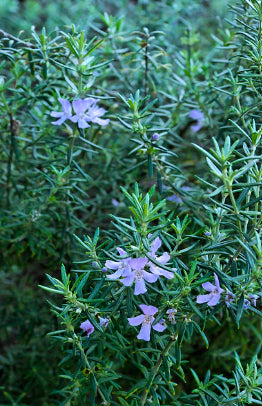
131,176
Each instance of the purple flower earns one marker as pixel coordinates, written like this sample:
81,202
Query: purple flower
215,291
163,259
139,275
94,114
80,107
122,267
253,299
63,115
86,110
103,322
198,116
171,315
147,320
87,327
229,298
175,198
246,304
208,234
115,202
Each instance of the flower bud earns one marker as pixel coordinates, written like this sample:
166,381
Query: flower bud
155,136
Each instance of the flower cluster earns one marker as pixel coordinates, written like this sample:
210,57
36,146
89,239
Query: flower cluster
132,270
215,291
128,270
213,297
86,111
198,117
147,320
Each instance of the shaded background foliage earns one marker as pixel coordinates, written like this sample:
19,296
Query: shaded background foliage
194,64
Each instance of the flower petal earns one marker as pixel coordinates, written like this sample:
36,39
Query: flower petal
155,245
128,280
140,287
115,275
82,123
196,127
66,105
101,121
150,277
56,114
159,327
103,321
208,286
148,310
91,101
196,114
112,264
167,274
203,298
163,258
80,106
138,263
121,251
144,333
175,198
135,321
217,282
127,270
214,300
74,119
87,327
60,121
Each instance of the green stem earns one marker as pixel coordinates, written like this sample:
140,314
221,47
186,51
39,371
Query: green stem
156,368
146,69
88,366
232,198
8,179
70,150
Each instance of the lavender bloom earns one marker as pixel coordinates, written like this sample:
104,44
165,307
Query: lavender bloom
246,304
63,115
87,327
171,315
253,299
103,322
122,268
175,198
139,275
104,269
80,107
208,234
215,291
163,259
229,298
198,116
95,113
115,202
146,320
85,110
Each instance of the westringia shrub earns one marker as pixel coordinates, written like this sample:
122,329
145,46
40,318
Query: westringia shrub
150,147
